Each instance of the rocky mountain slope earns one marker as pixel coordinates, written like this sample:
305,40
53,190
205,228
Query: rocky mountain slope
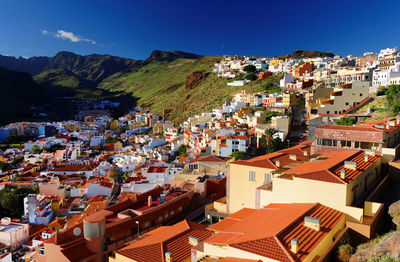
308,54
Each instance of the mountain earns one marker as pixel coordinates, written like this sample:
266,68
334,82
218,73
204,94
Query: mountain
308,54
91,67
20,95
176,83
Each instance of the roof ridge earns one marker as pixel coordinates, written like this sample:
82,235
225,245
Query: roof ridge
342,181
283,248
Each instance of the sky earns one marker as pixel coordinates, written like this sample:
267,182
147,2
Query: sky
133,28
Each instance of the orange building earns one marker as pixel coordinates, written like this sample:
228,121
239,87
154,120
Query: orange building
303,69
109,229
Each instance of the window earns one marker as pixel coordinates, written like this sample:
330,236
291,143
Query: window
252,176
345,143
267,178
357,144
180,209
319,141
172,213
160,219
147,224
41,250
329,142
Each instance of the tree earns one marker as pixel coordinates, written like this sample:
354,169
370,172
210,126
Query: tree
269,144
269,133
393,98
111,139
251,76
346,121
36,149
250,68
182,151
116,174
238,155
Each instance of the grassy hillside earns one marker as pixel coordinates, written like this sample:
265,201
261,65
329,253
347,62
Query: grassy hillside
64,83
161,85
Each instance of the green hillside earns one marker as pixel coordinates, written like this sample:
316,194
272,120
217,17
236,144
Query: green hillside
161,85
64,83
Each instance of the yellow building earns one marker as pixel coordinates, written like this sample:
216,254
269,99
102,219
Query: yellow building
340,180
114,124
290,99
246,176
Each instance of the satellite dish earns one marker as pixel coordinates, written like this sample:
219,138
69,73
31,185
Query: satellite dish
77,231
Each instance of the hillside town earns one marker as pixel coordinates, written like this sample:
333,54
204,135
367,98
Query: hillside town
299,171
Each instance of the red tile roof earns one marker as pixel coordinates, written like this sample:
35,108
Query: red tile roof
269,160
173,239
327,167
267,232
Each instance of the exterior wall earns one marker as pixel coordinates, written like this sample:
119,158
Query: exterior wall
349,135
350,97
227,251
213,167
51,189
15,236
242,192
325,243
337,196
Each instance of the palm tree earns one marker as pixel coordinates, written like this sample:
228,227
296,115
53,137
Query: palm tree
269,133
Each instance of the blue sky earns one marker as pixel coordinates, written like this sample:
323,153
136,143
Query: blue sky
131,28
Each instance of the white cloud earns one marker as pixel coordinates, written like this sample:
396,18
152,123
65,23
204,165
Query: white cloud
65,35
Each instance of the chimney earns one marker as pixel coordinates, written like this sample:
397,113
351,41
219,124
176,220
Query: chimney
294,245
343,174
293,157
149,201
194,241
168,257
366,157
350,165
278,163
313,223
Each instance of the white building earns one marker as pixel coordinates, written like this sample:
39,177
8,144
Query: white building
13,234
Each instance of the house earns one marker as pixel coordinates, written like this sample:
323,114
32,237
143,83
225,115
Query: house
107,230
247,175
277,232
232,143
38,209
339,100
93,188
303,69
13,234
166,243
290,99
52,188
380,136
